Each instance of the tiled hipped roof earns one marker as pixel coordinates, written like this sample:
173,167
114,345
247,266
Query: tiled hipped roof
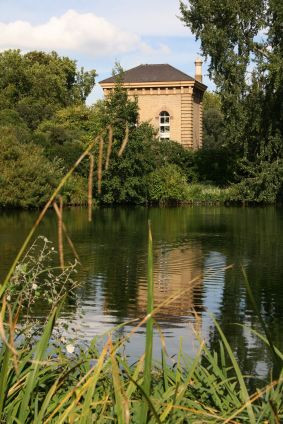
152,73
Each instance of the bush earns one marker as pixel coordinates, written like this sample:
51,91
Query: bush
170,152
167,184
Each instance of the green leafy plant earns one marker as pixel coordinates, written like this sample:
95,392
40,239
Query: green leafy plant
167,184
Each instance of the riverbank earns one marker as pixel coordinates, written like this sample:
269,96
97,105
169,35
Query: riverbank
194,194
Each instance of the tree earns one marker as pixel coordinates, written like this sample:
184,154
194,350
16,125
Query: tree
124,181
243,40
27,178
37,84
67,134
213,121
117,109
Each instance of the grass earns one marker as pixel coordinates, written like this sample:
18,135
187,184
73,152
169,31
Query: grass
204,193
41,382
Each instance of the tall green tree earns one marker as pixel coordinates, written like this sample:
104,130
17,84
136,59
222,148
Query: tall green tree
243,41
37,84
117,109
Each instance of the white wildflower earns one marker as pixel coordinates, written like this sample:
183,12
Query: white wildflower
34,286
8,298
70,348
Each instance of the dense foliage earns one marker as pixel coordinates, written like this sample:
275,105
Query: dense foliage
44,118
243,41
27,178
36,84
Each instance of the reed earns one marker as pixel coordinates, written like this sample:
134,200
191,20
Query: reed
149,332
109,147
99,166
90,186
125,141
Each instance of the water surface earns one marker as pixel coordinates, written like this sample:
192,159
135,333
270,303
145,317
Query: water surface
187,242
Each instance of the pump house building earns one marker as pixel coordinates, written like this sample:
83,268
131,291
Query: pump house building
168,98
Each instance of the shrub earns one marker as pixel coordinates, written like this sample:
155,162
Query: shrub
167,184
170,152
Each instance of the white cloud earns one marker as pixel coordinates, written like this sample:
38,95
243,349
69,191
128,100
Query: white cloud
73,31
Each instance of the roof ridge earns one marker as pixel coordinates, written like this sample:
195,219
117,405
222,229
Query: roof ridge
152,72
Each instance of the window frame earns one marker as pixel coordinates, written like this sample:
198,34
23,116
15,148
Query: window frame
164,125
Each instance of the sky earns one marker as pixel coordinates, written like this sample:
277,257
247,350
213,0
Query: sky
99,32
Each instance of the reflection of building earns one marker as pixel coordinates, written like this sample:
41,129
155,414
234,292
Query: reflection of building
174,271
168,98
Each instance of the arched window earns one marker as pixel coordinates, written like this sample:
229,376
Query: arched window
164,125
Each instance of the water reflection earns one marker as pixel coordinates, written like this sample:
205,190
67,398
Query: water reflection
177,276
187,242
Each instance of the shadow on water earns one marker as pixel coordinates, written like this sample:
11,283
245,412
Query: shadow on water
188,241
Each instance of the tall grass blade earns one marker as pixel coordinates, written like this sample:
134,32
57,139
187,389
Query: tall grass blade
146,399
136,375
99,166
244,392
149,330
109,147
125,141
60,232
71,244
32,380
90,185
4,374
121,401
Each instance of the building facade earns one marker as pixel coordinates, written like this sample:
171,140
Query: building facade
168,98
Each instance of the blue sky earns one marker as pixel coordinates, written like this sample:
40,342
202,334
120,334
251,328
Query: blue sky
98,32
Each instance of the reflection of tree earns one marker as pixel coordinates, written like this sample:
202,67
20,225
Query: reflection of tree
14,226
253,240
